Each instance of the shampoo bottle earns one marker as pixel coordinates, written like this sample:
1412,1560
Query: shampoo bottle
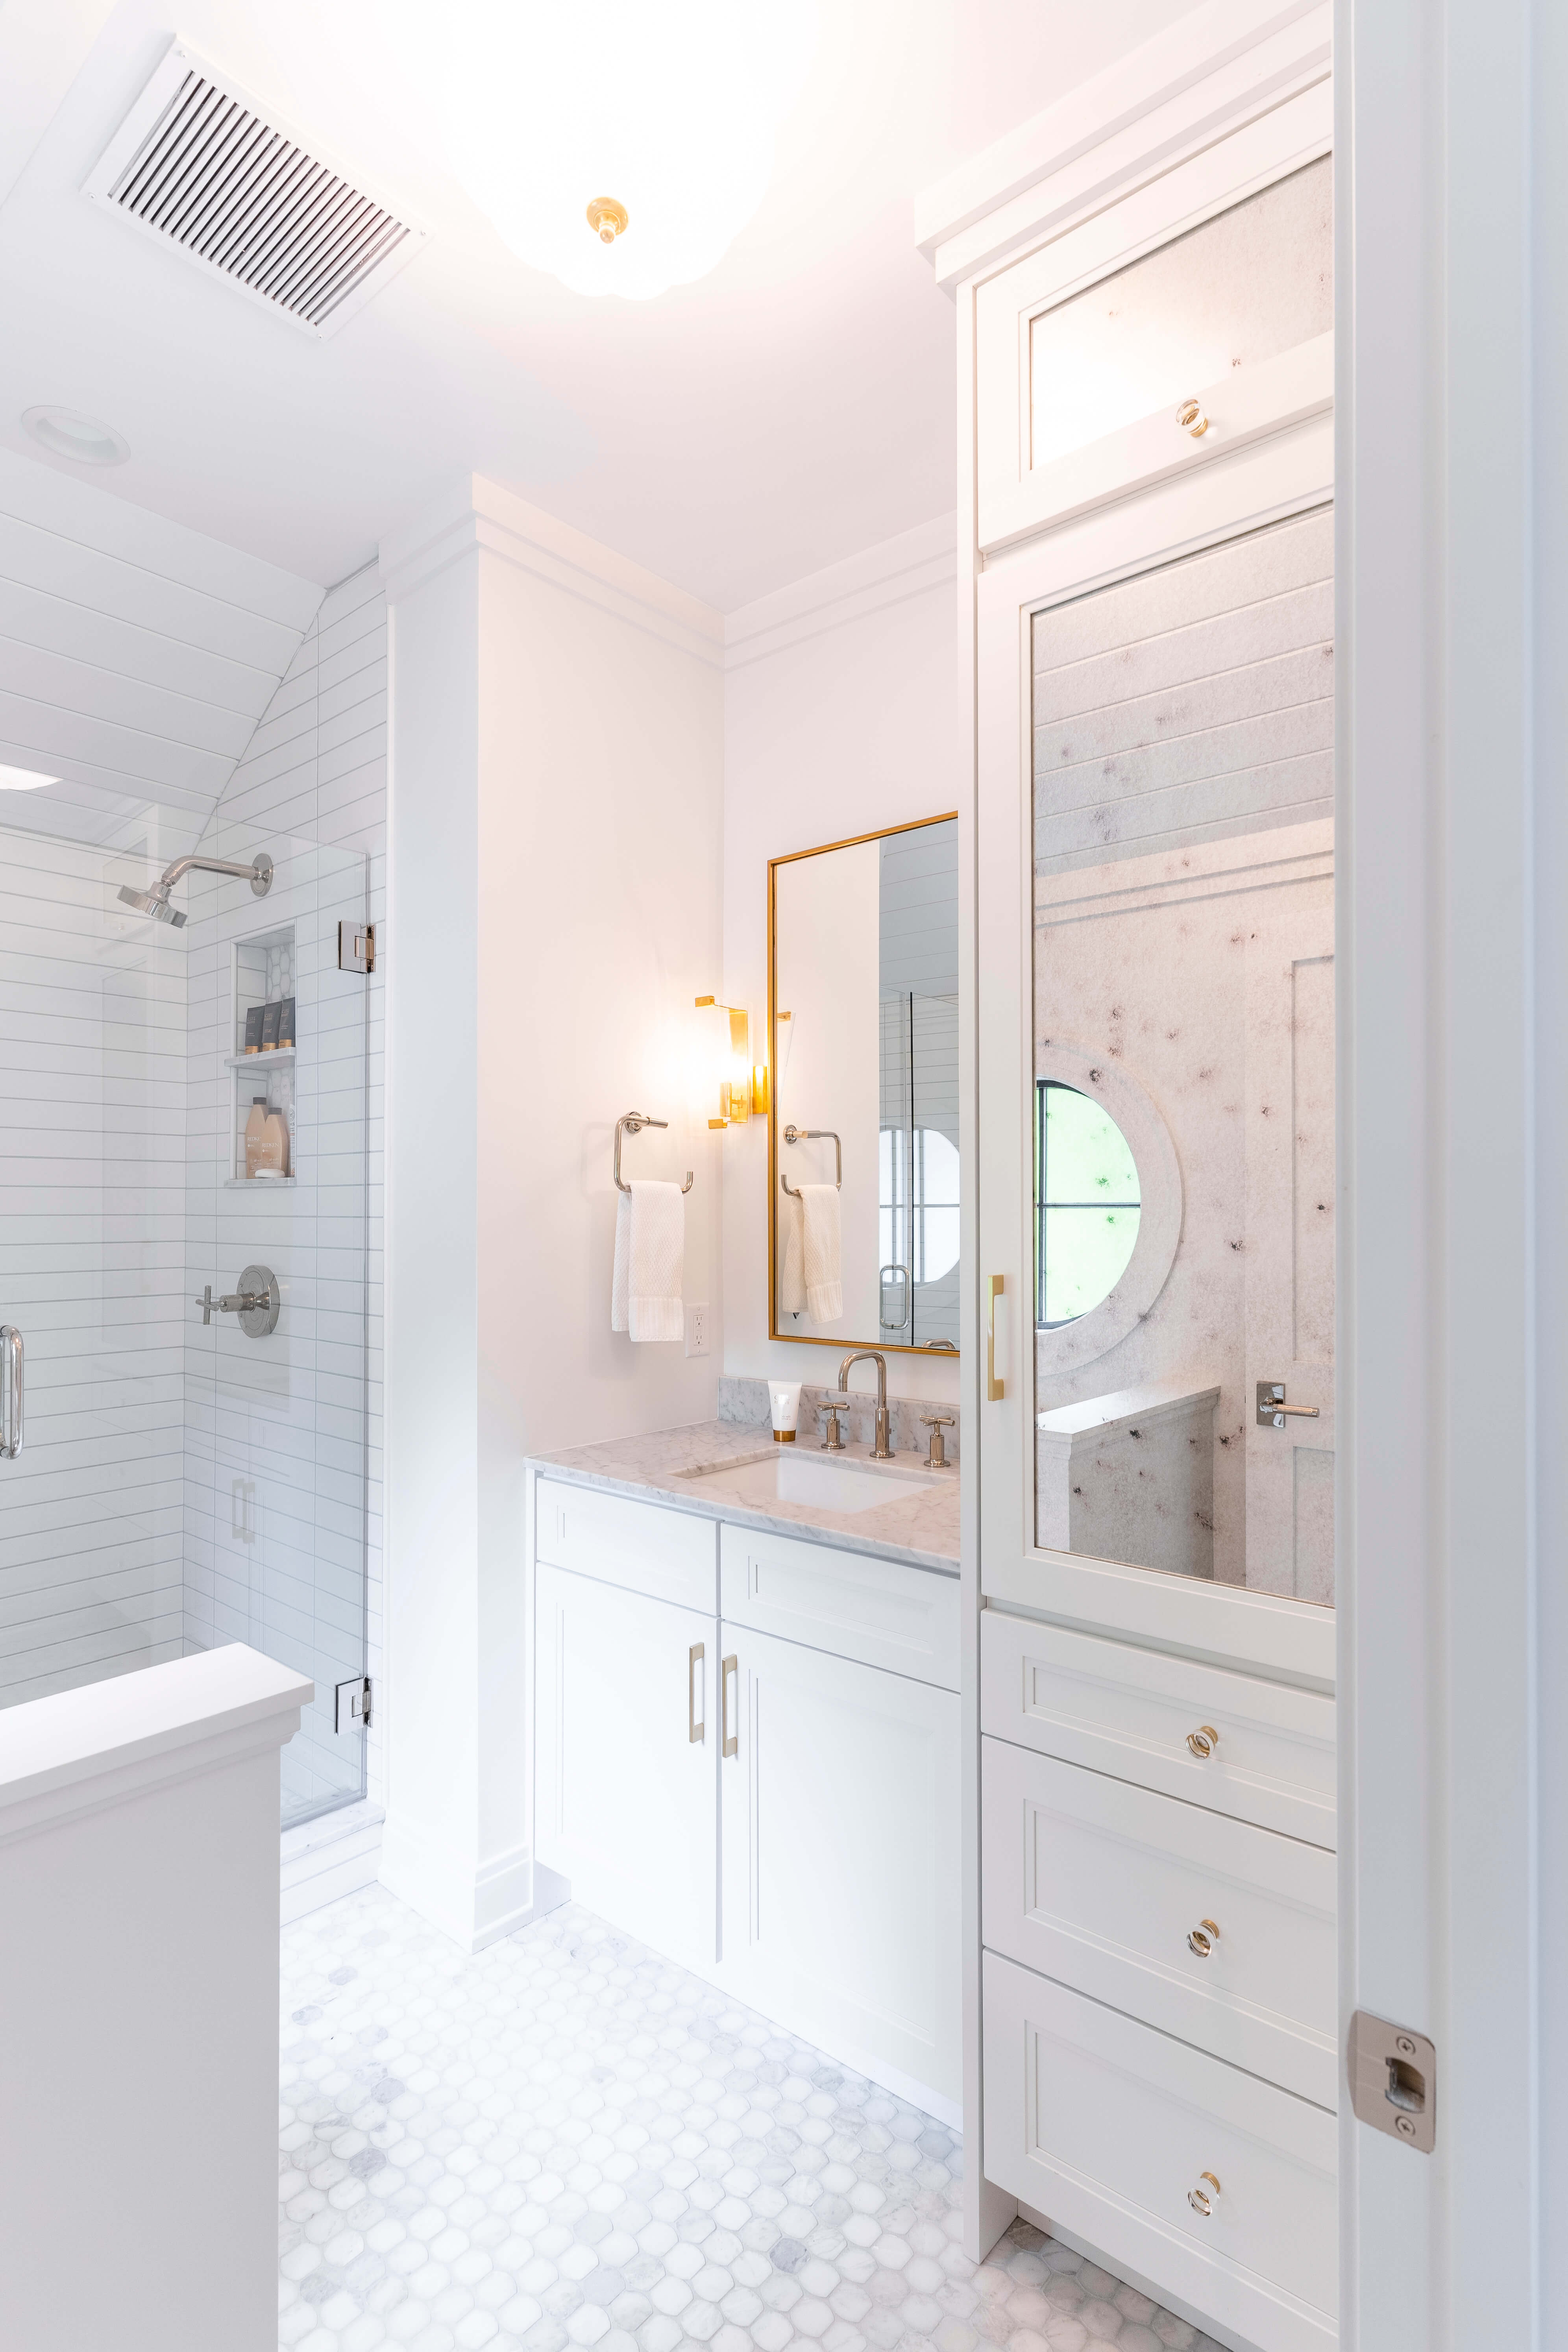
253,1127
273,1158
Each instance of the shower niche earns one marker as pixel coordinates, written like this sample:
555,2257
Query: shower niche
263,998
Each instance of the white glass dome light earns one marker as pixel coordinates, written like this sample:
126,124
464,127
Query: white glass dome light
664,115
69,433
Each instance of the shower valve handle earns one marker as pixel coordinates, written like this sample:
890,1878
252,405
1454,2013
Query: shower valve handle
256,1304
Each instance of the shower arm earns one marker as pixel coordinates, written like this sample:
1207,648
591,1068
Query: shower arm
194,864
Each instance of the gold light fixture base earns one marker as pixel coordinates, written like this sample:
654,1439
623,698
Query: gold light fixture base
608,219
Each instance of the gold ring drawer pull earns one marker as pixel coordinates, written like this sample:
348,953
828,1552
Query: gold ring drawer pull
1204,1741
1202,1939
1203,2200
1191,418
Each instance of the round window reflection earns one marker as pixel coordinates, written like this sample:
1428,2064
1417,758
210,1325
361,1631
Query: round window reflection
1087,1203
919,1204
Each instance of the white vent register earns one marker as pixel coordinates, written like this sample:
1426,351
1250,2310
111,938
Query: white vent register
199,165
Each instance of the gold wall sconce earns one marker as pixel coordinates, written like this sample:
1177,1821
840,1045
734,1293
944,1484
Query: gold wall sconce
742,1083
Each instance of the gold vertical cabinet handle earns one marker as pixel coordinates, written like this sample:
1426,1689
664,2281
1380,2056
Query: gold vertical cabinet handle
994,1387
1204,1741
729,1741
694,1730
1204,2200
1202,1939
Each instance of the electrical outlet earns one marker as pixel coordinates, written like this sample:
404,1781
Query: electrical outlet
696,1331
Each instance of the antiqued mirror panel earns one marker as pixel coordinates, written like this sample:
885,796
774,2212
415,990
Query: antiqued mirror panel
865,1165
1183,1066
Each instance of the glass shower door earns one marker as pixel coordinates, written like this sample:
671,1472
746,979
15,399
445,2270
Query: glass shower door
185,1477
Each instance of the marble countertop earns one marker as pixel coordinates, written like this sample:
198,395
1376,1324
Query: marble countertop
917,1524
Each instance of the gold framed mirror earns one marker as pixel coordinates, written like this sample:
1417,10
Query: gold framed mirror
863,1159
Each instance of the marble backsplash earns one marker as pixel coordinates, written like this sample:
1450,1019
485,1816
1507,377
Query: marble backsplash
746,1400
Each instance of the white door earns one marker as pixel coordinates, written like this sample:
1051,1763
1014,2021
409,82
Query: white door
626,1805
840,1813
1290,1246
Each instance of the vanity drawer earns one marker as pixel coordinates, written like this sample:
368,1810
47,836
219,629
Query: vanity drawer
1132,1713
1107,2125
1100,1885
668,1554
881,1612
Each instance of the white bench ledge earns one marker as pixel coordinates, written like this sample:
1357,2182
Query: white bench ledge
78,1750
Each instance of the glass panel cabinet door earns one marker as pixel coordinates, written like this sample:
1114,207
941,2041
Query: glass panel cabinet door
1182,1078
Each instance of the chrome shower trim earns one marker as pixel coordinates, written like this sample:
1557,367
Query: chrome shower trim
156,902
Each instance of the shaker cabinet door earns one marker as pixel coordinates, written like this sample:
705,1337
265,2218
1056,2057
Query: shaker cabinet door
840,1869
625,1800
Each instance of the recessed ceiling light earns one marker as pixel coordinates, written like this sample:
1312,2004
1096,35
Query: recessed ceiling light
69,433
22,780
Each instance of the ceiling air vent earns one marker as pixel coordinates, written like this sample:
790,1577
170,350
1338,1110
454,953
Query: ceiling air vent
199,165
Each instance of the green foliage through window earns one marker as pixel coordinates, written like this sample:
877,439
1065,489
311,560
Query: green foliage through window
1087,1203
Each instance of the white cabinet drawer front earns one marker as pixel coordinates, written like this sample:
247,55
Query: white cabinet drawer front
1137,1713
1102,1884
881,1612
1108,2126
622,1541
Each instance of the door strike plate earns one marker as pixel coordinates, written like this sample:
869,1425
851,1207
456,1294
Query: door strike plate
356,947
1394,2081
353,1710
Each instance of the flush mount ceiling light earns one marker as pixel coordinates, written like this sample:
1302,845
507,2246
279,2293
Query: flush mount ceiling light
620,147
22,780
69,433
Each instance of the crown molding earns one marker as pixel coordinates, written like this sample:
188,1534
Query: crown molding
476,515
915,563
1204,76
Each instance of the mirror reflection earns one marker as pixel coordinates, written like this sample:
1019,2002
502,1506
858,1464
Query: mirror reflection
863,951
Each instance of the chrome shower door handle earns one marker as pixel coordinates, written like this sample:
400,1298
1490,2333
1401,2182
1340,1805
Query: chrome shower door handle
12,1374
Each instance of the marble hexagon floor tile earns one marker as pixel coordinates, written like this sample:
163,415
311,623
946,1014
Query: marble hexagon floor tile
568,2142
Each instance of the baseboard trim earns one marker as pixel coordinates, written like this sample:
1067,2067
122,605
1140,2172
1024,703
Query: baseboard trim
475,1906
332,1856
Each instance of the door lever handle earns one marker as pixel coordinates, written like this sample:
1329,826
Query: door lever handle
1272,1408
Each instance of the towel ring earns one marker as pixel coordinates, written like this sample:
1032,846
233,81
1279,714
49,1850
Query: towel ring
815,1135
634,1121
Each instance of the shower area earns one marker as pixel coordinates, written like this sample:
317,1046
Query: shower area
188,1406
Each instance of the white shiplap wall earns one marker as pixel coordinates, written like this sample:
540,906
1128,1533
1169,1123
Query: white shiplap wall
283,1452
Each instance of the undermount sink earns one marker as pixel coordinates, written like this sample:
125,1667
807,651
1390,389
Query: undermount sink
783,1475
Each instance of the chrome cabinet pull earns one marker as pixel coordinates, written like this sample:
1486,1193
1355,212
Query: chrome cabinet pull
1202,1939
729,1741
694,1730
1203,2200
1204,1741
11,1411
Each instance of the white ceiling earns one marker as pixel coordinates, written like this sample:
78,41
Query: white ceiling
789,410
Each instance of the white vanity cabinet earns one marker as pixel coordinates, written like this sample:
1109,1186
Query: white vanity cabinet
748,1757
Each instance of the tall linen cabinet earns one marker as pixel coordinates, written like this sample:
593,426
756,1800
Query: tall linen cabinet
1143,280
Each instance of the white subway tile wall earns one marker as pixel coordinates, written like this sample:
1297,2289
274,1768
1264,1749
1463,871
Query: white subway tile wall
92,1073
283,1470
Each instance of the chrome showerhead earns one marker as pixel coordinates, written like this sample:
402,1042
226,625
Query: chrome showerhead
152,902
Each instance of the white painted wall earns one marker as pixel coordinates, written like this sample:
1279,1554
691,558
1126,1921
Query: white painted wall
553,911
840,717
139,1889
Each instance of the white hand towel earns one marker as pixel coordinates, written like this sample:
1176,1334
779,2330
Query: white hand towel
792,1255
822,1252
650,1262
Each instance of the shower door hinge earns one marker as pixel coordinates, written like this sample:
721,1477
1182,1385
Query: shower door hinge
356,947
353,1704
